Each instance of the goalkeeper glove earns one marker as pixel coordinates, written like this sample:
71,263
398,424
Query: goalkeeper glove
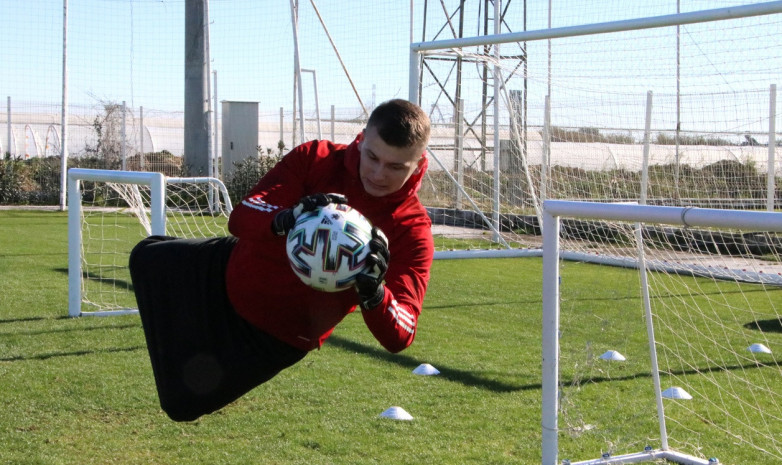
369,283
283,221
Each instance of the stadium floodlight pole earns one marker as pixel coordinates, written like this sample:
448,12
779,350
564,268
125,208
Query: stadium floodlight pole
412,17
772,146
459,149
297,67
647,137
651,22
64,119
196,153
678,132
497,83
142,157
333,122
216,139
8,123
214,159
282,123
548,46
546,155
123,137
414,69
210,164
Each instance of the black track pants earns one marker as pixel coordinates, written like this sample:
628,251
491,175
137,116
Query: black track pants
204,356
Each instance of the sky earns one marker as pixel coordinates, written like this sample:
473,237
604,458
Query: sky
133,51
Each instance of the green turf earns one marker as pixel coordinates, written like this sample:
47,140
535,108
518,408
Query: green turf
81,390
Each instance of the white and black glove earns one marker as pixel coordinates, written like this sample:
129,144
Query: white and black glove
369,283
283,221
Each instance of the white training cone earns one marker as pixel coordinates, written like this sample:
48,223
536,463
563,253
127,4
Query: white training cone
425,369
676,393
759,349
396,413
613,355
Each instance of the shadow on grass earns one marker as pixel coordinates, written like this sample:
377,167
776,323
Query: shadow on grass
695,371
772,325
68,330
484,304
586,298
76,353
469,378
24,319
42,254
457,375
114,282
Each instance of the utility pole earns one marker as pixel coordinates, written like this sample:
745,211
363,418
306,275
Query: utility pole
196,91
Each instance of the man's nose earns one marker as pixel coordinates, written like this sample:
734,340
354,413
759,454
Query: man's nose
378,171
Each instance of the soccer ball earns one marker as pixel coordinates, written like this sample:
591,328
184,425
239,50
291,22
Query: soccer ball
328,246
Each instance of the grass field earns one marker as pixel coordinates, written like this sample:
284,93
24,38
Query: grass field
81,390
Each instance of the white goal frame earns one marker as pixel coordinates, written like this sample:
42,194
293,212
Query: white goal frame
157,212
553,211
491,220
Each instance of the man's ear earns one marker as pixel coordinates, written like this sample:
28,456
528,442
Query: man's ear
420,164
361,139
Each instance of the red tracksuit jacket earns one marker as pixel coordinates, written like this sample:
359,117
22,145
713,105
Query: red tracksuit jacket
264,290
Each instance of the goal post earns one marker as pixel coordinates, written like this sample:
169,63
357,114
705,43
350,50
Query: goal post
565,113
109,211
711,342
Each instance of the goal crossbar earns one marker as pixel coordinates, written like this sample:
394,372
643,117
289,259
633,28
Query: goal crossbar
156,182
156,211
717,14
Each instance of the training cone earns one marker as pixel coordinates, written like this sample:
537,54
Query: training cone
396,413
613,355
759,349
425,369
676,393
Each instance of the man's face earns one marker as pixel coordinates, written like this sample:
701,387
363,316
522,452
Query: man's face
384,169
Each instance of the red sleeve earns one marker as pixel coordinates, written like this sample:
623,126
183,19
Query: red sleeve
279,189
394,321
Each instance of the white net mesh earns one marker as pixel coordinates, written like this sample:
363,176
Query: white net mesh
709,116
714,299
116,216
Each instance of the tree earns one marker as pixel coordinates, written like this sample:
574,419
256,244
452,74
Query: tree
108,135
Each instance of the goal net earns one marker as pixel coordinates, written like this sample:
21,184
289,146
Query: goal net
109,212
662,330
668,110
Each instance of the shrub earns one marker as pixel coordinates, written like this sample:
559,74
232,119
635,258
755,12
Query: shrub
247,172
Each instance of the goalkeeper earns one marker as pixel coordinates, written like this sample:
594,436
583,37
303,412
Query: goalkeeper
223,315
